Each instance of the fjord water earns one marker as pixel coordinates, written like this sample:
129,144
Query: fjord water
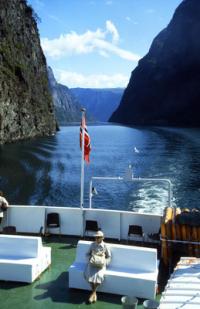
46,171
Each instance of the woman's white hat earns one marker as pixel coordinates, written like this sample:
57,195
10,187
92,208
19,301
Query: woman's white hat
99,234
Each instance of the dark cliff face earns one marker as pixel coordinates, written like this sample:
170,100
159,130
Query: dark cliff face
67,107
99,102
26,107
164,89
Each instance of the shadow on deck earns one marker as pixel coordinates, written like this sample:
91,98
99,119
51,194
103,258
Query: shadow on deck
51,289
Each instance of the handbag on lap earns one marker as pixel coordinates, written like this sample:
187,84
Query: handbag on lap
97,260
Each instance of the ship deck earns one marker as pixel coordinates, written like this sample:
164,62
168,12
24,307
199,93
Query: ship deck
51,289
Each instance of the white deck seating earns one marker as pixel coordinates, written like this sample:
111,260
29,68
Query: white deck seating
22,258
132,271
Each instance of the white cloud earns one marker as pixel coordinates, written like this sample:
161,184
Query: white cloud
122,53
74,79
91,41
71,43
113,30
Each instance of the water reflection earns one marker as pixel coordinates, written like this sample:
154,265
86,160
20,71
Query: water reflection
46,171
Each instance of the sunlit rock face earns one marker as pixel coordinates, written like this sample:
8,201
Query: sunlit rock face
26,107
67,107
164,89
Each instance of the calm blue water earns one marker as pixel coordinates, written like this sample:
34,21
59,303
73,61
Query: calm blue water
46,171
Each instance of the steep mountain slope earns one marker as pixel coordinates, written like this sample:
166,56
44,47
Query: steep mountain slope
164,89
26,107
67,107
99,102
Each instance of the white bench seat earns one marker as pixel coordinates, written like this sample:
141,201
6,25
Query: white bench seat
130,274
132,271
22,258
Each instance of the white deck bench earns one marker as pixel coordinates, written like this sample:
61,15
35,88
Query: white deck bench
22,258
133,270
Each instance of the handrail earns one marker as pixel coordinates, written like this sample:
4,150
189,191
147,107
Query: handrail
181,241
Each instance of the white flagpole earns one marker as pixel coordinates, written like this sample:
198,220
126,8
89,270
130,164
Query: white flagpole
83,110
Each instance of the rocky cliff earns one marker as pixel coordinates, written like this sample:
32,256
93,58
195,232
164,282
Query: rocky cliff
164,89
67,107
100,103
26,108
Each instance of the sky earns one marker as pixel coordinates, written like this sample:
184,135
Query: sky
97,43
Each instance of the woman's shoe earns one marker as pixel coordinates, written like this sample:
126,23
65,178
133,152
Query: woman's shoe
91,298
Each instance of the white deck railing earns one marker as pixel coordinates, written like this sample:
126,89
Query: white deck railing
114,223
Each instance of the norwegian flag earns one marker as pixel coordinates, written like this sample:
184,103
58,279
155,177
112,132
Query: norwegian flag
87,145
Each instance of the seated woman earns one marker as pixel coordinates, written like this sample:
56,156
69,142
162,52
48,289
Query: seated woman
3,205
99,257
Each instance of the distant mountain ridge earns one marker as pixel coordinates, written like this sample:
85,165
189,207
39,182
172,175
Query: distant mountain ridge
67,107
99,102
164,89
